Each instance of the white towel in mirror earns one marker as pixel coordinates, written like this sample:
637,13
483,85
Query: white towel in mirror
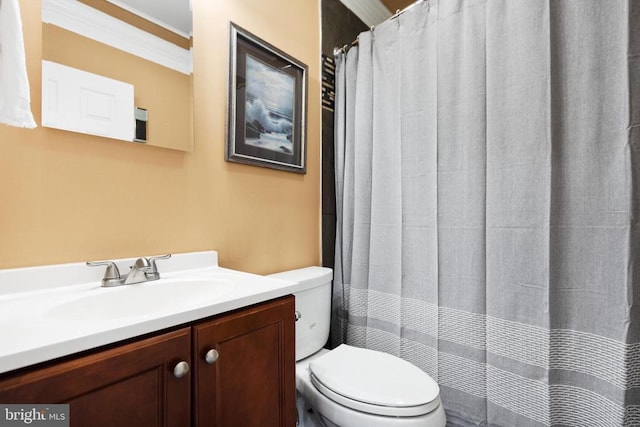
15,100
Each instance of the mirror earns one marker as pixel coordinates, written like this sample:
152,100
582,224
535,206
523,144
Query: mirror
143,43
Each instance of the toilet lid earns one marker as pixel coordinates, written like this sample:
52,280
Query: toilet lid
374,382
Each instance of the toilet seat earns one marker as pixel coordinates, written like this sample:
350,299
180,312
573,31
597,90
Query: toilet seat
374,382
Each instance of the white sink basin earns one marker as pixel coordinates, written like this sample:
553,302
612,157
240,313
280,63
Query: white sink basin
141,300
47,312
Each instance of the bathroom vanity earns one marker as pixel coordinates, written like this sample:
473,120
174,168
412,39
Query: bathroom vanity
220,361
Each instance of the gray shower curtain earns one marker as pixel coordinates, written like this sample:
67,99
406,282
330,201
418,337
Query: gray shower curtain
487,185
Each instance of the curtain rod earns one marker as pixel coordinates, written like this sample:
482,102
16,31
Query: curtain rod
346,47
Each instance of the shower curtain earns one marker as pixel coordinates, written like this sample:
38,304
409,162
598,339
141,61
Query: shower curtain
487,186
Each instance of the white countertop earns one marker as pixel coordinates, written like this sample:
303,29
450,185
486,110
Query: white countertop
36,324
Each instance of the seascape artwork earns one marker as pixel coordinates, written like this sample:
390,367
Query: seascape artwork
270,99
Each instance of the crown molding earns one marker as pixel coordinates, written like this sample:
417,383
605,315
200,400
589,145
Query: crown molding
86,21
371,12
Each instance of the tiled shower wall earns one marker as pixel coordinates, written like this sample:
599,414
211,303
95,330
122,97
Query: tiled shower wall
340,27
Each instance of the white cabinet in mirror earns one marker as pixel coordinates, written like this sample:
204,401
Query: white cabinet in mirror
78,101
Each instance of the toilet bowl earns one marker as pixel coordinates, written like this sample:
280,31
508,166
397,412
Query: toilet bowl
351,386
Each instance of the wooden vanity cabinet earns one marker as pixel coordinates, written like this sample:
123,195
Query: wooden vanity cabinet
250,383
129,385
244,372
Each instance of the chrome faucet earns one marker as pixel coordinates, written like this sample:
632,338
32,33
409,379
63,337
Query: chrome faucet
143,270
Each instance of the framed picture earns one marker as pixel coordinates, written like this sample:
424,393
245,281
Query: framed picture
267,105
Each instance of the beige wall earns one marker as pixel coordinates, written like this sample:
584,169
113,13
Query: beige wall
68,197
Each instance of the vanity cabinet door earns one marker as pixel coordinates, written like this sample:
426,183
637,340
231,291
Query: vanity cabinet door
129,385
244,370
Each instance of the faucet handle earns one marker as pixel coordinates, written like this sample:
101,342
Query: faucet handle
111,274
154,268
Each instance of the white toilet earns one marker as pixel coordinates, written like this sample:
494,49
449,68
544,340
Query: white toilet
350,386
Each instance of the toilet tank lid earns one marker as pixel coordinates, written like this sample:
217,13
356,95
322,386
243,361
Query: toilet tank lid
308,277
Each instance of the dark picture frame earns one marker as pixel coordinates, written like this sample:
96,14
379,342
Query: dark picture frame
267,105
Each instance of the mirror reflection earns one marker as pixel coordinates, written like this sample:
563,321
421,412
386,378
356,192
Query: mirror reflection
143,43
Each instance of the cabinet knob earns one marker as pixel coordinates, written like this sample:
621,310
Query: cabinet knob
211,356
298,315
181,369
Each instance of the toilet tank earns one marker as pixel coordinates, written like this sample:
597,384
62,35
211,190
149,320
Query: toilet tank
313,307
